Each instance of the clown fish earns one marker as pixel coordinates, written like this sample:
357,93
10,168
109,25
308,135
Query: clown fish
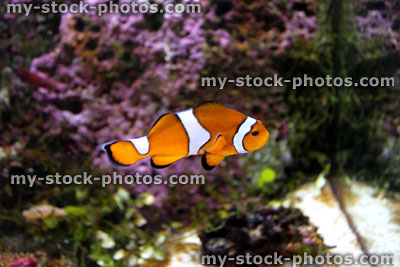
209,129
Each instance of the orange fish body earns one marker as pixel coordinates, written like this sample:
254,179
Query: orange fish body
209,129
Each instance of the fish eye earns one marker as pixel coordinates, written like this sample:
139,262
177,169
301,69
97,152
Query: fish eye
255,133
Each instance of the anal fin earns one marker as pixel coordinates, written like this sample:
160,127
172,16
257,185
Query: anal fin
209,161
160,162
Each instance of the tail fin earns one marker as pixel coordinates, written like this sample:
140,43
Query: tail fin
127,152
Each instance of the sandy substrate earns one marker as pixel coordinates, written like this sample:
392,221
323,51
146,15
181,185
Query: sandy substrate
374,217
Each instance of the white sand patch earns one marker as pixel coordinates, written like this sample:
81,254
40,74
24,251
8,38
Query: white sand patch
376,218
324,212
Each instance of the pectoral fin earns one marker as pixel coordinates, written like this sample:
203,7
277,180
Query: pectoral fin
218,145
160,162
214,155
209,161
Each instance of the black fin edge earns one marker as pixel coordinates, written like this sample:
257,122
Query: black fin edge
158,166
156,121
205,164
107,148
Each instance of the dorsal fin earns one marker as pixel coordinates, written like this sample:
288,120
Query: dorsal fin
156,121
